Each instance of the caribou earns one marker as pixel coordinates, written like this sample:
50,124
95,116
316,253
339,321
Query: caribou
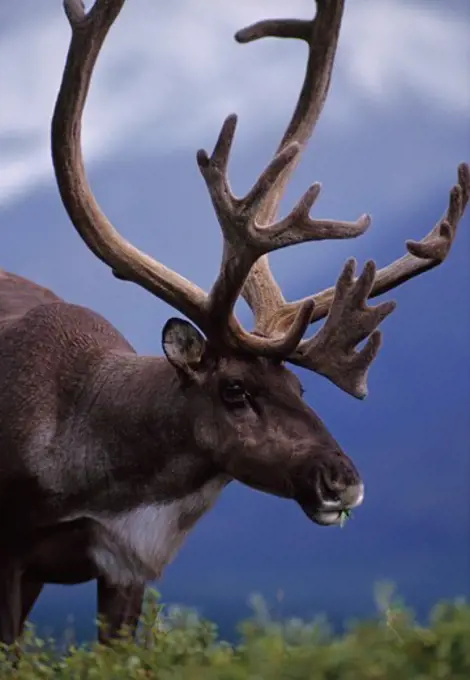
107,458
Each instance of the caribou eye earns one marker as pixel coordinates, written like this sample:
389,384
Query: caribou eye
234,393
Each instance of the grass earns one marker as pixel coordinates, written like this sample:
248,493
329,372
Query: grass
176,644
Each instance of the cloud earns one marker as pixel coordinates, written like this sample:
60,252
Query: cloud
394,49
170,73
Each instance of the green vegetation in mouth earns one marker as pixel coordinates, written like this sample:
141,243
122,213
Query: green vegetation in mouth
344,516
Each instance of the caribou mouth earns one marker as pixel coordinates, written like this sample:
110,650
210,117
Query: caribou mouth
335,512
328,518
325,518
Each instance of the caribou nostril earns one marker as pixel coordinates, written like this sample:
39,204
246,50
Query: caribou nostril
329,496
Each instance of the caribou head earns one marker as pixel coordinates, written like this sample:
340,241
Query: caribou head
248,416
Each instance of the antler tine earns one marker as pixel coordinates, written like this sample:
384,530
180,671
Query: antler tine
422,255
331,351
89,31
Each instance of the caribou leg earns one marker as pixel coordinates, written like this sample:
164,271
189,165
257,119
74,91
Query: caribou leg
30,591
118,607
10,602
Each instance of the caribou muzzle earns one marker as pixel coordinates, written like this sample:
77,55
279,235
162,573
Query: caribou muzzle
333,488
330,511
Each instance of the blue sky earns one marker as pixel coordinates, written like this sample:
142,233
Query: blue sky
389,141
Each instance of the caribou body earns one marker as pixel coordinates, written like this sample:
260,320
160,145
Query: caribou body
107,458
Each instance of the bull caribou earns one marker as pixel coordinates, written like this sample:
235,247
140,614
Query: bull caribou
107,458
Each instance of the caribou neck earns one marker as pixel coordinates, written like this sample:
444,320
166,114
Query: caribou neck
140,425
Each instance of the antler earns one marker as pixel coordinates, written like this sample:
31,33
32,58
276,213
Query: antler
331,350
248,224
127,262
244,241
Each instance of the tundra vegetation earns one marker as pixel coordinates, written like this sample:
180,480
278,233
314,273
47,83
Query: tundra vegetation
177,644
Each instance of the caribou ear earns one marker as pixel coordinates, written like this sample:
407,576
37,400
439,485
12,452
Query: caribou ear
183,345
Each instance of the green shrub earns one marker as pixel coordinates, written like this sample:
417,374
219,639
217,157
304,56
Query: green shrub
178,645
